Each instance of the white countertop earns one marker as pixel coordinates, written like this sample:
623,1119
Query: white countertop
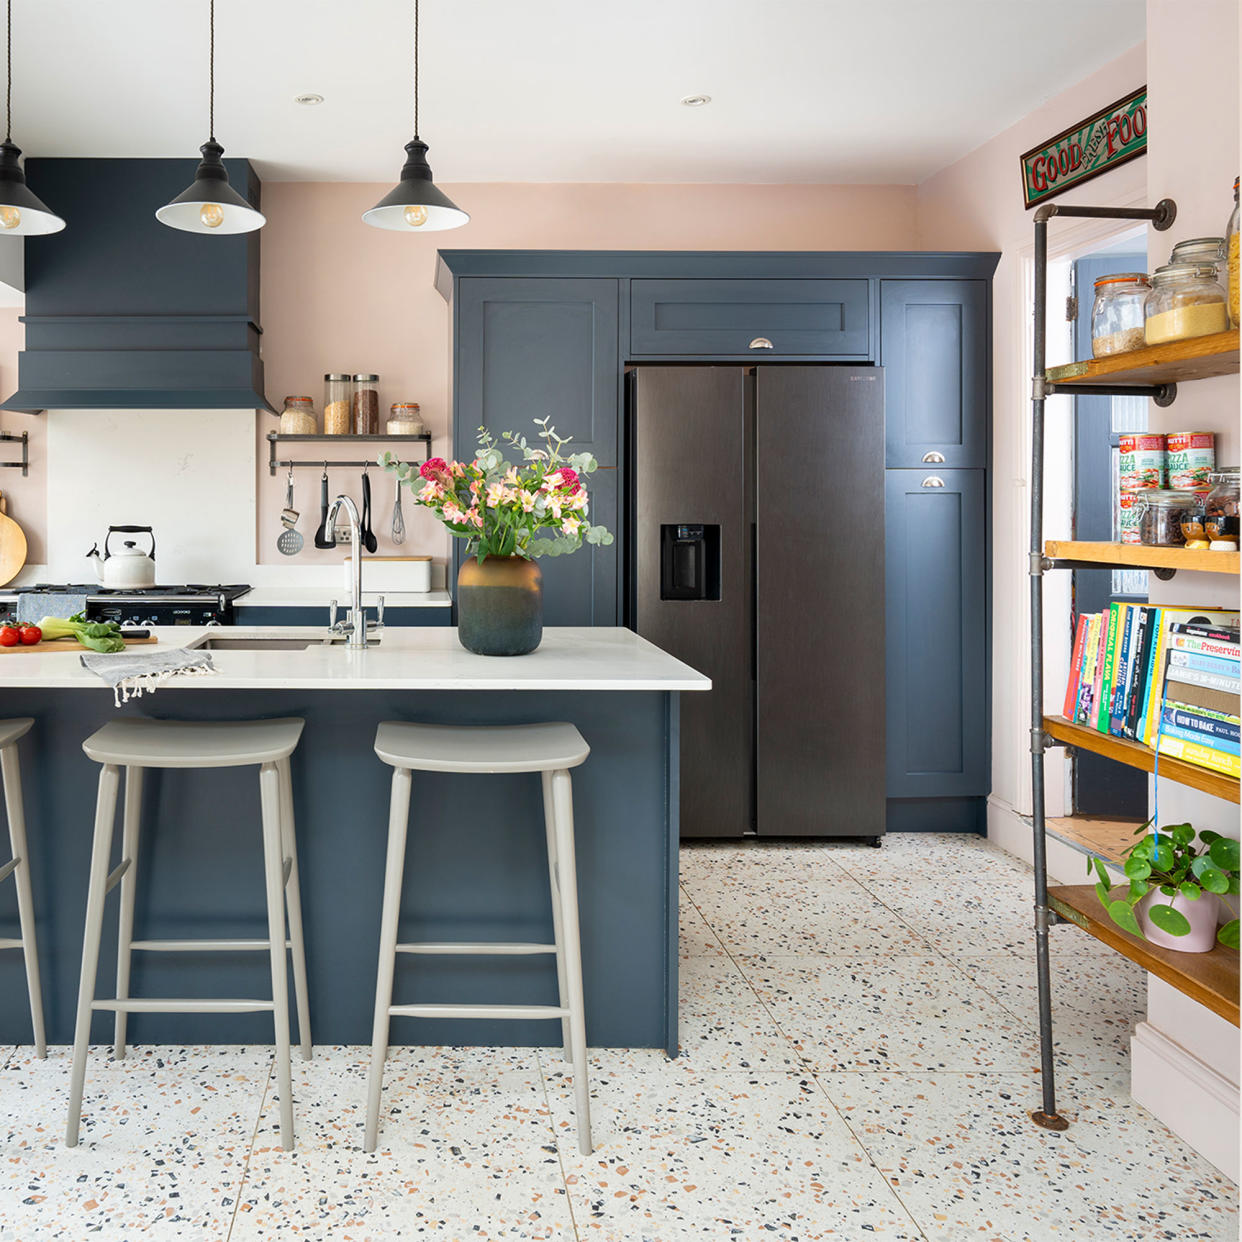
407,658
320,596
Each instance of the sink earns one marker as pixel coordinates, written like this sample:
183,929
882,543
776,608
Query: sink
255,642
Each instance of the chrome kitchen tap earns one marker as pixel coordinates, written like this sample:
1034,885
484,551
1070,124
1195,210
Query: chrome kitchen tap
355,623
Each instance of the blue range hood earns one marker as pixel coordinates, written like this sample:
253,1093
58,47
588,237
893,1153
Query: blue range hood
124,313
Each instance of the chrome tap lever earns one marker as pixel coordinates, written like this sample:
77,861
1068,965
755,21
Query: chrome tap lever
332,611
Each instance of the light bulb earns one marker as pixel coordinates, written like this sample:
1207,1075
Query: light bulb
10,217
415,215
212,215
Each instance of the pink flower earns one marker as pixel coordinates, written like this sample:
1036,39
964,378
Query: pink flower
570,526
569,479
434,468
453,514
458,470
474,487
498,494
430,493
554,506
527,500
474,517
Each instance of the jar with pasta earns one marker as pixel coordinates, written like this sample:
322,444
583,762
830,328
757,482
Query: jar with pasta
337,418
1185,301
1117,313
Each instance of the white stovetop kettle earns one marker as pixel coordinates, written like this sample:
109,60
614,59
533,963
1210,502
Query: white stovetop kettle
129,566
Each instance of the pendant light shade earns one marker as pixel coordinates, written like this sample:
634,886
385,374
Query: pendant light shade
22,214
211,205
414,204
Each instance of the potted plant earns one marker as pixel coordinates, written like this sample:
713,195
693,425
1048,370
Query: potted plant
1175,887
509,513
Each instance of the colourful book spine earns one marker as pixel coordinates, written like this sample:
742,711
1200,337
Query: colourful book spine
1176,725
1204,646
1071,690
1121,669
1207,712
1151,695
1088,668
1228,634
1138,672
1200,756
1204,663
1194,677
1104,702
1097,680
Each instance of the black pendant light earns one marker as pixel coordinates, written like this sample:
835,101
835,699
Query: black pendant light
22,214
211,205
414,205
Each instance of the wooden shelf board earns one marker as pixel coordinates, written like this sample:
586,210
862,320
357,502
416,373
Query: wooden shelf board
1135,755
1209,978
1139,556
320,438
1174,362
1102,838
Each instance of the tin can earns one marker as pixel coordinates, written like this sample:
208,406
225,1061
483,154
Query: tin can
1132,441
1129,509
1142,468
1191,459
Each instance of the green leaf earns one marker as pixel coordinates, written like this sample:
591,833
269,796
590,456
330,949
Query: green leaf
1137,868
1235,885
1207,836
1143,848
1174,922
1182,834
1123,916
1228,935
1168,890
1102,871
1225,853
1214,881
1201,864
1139,889
1162,857
1101,891
1189,890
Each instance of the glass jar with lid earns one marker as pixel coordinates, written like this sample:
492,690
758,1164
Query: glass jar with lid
366,405
404,419
298,417
1161,514
1117,313
1185,301
1220,521
1201,250
337,419
1231,257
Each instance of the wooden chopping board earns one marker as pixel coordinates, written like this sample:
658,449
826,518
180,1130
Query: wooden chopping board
12,545
52,645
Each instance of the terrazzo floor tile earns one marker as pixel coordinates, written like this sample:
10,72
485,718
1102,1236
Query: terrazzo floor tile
988,918
165,1134
772,859
695,936
718,1156
465,1150
966,1160
910,855
897,1013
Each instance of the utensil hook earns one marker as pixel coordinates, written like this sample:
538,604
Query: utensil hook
325,471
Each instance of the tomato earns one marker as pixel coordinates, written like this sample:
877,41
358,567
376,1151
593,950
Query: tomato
31,634
10,636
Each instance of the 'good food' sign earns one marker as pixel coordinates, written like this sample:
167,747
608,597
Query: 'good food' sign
1109,138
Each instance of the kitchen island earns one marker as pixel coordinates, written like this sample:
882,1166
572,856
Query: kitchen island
476,866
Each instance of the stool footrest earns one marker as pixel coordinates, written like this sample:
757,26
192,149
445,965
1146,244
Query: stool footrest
201,946
483,948
114,876
9,867
478,1011
173,1005
9,943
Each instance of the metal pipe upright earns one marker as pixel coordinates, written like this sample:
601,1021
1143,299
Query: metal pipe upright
1048,1117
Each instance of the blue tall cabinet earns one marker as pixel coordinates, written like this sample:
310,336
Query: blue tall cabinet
550,333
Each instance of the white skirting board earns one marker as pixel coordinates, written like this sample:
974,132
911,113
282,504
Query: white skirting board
1192,1099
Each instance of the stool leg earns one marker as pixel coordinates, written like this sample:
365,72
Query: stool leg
130,817
563,813
15,810
293,906
549,819
394,870
101,851
274,871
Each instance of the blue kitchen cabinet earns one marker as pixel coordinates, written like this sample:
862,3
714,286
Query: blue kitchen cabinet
934,350
545,347
301,614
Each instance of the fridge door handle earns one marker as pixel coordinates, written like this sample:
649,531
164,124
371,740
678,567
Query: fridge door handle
933,458
761,342
932,480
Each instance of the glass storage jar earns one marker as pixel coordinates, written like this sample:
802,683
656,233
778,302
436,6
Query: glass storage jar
404,419
298,417
1161,514
1201,250
366,405
1231,257
1117,314
1221,508
337,419
1185,301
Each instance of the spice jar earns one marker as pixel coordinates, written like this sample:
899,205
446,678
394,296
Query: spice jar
1201,250
366,405
1117,314
1185,301
1220,519
337,419
1162,514
298,417
1231,257
404,419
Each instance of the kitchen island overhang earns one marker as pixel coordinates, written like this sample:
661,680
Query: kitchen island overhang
476,863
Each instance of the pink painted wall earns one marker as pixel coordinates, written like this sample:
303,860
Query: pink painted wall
339,296
27,498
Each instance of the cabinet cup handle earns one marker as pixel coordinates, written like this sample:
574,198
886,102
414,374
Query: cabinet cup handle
761,342
932,480
933,458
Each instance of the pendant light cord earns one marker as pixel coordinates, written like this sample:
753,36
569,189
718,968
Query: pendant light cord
211,72
415,67
8,60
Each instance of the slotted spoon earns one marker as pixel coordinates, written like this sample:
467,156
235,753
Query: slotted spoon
290,540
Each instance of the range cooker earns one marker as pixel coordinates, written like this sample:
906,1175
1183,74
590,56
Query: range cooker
193,604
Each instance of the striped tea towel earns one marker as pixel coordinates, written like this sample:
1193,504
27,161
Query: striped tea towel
34,607
134,673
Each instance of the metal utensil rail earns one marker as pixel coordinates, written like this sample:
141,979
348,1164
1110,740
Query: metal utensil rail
24,464
1160,217
274,438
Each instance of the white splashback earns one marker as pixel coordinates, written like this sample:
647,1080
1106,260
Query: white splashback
187,473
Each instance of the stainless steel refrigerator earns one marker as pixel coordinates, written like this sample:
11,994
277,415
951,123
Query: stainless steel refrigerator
756,527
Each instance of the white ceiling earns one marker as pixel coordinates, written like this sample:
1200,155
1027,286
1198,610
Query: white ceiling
879,91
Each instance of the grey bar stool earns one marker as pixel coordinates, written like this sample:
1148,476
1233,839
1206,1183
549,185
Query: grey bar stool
18,867
136,745
551,750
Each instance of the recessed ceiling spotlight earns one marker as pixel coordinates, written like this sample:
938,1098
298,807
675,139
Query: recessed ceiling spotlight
309,100
696,101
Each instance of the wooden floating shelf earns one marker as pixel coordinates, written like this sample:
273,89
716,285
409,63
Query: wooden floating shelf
1174,362
1209,978
1139,556
1136,755
1095,835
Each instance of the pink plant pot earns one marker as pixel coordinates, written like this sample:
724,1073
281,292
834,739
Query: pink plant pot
1202,914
